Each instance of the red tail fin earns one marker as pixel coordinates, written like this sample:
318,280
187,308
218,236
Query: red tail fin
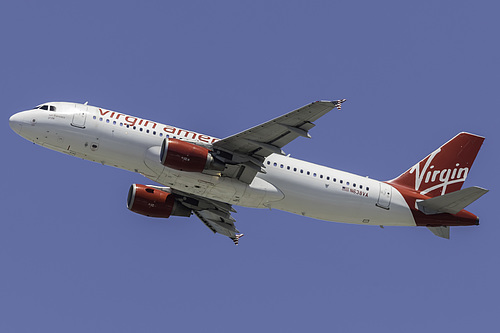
445,169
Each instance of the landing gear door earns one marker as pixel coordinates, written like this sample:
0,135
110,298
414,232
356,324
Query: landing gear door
79,119
385,195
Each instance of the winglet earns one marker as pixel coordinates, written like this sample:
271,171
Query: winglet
236,238
338,103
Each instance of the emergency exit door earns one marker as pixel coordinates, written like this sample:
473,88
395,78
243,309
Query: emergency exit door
384,196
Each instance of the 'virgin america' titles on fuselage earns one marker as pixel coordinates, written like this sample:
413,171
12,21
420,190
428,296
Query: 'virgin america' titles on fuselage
134,121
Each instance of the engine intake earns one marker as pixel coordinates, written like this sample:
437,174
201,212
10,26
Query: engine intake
185,156
152,202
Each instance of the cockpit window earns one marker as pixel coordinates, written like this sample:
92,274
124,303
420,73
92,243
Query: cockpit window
46,107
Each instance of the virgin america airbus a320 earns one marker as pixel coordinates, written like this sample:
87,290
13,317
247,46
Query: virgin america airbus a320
205,176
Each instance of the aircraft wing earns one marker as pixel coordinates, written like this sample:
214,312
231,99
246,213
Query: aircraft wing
219,224
214,214
244,153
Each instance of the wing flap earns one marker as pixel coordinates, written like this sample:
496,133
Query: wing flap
214,214
219,224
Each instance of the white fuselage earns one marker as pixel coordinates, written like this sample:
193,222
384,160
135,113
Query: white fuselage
289,184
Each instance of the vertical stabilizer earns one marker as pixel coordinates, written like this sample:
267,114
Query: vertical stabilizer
445,169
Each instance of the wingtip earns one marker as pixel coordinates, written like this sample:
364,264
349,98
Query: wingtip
236,238
338,103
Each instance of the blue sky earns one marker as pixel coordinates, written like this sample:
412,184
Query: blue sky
74,259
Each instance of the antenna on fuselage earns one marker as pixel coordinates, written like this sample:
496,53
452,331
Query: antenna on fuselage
87,102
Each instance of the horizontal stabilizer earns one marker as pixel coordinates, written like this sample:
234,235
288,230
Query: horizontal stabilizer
452,202
443,232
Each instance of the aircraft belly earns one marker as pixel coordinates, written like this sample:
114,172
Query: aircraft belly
57,137
336,203
224,189
212,187
91,144
261,194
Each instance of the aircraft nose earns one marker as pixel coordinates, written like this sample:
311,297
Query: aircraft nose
16,123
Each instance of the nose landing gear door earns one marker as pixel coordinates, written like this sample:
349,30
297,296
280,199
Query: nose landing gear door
79,119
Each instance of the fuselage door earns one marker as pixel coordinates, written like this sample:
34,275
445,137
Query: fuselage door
79,119
384,196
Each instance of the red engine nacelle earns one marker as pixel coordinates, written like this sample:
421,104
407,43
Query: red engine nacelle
185,156
152,202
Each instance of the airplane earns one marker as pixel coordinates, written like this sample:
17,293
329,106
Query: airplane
205,176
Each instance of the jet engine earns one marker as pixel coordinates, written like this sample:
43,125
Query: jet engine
185,156
152,202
